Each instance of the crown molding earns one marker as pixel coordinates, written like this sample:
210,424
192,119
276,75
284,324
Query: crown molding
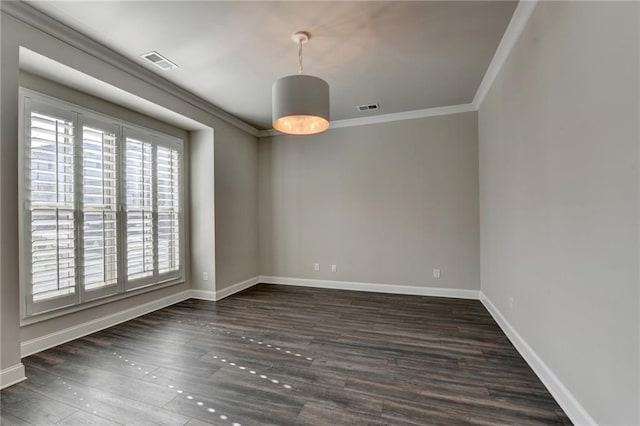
387,118
45,23
33,17
518,22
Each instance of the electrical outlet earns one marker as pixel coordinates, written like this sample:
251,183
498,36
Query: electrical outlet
436,273
316,266
511,303
334,268
205,276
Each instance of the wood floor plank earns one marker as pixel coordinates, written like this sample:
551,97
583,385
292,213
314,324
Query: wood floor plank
325,413
7,419
289,355
112,407
85,419
27,405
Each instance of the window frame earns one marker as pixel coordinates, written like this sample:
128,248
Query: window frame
82,298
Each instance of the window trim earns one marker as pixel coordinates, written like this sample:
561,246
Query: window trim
82,298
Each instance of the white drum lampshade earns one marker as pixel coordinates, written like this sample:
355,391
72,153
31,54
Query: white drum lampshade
300,105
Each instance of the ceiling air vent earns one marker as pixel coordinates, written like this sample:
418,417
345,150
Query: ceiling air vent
368,107
159,61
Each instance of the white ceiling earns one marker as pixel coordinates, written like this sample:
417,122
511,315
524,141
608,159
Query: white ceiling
404,55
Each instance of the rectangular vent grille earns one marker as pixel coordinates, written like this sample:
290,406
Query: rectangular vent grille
158,60
368,107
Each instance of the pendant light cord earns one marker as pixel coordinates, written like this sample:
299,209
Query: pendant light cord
300,67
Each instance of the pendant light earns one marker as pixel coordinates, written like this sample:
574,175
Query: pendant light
300,103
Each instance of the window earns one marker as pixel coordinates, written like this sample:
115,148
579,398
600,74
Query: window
152,209
103,206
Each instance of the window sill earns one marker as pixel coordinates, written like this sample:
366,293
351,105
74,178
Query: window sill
44,316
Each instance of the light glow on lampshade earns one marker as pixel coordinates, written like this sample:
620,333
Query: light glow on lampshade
301,124
300,105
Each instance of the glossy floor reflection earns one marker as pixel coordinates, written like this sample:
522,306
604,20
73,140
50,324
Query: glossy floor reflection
287,355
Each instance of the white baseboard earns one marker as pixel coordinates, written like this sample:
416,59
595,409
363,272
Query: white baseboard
203,294
12,375
225,292
47,341
374,287
558,390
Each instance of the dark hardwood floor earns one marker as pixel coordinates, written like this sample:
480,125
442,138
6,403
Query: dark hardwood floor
288,355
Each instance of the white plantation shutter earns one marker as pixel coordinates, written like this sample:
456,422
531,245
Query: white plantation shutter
168,199
139,208
49,206
99,206
152,208
102,206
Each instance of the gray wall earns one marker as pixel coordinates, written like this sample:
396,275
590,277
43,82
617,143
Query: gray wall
236,219
237,259
559,199
9,273
386,203
236,208
202,209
